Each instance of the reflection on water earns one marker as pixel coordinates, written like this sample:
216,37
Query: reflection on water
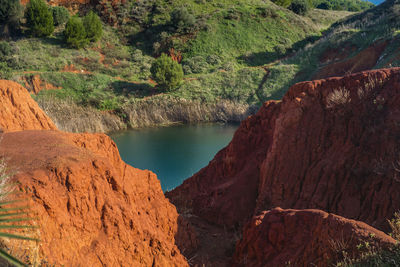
173,153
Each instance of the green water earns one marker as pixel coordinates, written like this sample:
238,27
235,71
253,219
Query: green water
173,153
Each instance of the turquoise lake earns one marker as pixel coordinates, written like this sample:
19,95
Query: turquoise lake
173,153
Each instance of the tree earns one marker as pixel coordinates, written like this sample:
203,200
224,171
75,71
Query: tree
60,15
300,7
166,72
39,18
11,12
75,33
92,24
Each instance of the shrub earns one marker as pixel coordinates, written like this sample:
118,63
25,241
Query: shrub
284,3
60,15
182,20
75,33
300,7
39,18
92,24
11,12
166,72
5,71
195,65
5,50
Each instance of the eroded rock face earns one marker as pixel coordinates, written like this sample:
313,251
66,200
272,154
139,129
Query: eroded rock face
304,238
19,111
329,144
94,209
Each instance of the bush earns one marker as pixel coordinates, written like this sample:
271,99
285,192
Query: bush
166,72
60,15
300,7
11,12
284,3
92,24
39,18
195,65
5,71
182,20
75,33
5,50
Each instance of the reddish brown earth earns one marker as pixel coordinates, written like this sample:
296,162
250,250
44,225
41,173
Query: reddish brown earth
304,238
34,84
329,144
92,208
19,111
340,65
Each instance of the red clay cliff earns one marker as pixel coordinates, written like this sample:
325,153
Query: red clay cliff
305,238
93,209
329,144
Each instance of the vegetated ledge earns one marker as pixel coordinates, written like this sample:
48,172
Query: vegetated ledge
150,112
331,145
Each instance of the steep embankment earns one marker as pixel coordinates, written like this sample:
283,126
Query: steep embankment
305,238
19,111
92,208
329,144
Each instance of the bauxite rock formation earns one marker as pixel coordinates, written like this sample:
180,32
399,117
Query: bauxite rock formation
304,238
329,144
92,208
19,111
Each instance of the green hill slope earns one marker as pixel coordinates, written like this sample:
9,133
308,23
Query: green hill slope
225,53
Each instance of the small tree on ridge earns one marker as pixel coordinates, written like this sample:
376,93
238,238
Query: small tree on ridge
166,72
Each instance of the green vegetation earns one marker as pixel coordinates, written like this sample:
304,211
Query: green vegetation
300,7
39,18
166,72
75,33
349,5
60,15
11,11
93,28
228,50
377,258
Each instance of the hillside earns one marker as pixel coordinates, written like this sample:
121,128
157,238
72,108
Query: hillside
364,41
223,55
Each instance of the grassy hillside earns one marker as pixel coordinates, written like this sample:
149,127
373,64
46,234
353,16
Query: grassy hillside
227,53
363,41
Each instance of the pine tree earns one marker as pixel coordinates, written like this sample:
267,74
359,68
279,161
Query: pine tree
39,18
75,34
166,72
92,24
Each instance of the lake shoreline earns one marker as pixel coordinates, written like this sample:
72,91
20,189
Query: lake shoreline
149,113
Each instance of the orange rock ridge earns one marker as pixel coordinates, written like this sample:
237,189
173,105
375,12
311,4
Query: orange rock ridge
19,111
93,209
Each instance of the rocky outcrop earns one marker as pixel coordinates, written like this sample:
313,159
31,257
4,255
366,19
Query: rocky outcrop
329,144
305,238
70,117
19,111
92,208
